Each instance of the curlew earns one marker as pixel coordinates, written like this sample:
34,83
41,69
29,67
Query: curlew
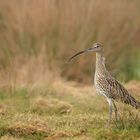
106,84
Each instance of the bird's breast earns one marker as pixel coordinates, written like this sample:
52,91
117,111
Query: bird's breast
98,86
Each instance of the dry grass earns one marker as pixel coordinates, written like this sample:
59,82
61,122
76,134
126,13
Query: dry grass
36,39
8,138
42,105
41,35
66,110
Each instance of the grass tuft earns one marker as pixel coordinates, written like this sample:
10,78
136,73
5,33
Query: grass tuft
41,105
65,111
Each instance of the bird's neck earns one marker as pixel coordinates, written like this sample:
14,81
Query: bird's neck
100,63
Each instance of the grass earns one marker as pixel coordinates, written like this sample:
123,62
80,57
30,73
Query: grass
36,39
30,37
66,111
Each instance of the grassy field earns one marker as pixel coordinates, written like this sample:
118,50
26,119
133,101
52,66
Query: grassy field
44,97
64,111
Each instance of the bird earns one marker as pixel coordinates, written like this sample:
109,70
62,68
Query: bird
106,84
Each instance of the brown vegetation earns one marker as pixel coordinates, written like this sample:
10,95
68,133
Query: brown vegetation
72,112
36,39
38,36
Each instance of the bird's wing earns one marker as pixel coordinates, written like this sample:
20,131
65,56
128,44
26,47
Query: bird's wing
116,88
116,91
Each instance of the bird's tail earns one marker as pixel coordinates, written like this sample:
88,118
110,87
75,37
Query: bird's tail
137,105
132,101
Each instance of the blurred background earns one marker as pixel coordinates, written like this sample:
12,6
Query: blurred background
38,36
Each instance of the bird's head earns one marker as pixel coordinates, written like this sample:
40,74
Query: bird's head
96,47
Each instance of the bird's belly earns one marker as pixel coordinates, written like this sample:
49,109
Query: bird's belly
99,89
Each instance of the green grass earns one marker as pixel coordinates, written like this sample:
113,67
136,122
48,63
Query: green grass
62,114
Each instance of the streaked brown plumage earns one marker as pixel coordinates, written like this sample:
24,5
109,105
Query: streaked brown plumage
106,85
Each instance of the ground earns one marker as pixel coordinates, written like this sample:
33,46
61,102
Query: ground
64,111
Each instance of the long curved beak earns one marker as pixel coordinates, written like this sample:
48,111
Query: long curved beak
81,52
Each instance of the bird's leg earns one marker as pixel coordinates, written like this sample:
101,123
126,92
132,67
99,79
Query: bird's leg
115,110
110,109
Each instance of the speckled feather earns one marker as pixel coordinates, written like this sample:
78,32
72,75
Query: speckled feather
113,89
109,87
